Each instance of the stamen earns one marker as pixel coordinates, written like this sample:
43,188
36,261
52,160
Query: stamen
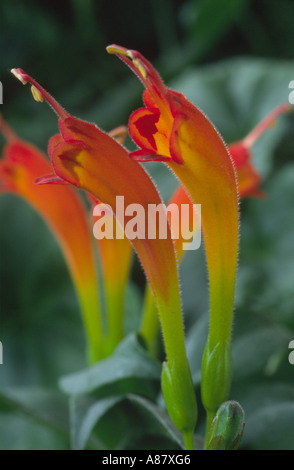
129,54
137,63
39,93
149,76
117,50
36,94
18,75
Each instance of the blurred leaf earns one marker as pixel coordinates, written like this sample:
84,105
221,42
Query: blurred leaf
267,250
208,20
159,421
252,351
48,406
20,432
145,418
129,360
268,407
270,427
36,417
85,413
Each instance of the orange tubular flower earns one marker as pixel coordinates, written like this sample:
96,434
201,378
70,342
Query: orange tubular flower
248,185
170,129
66,216
90,159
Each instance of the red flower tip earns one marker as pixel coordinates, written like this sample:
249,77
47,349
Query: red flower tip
141,66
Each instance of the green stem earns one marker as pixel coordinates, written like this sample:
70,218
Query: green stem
222,290
188,440
115,316
92,317
176,380
209,418
217,366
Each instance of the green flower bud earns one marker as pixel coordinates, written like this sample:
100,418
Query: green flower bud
179,396
216,375
227,427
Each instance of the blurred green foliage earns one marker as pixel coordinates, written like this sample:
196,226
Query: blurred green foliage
232,58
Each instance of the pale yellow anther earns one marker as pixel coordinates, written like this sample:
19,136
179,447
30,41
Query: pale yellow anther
140,67
116,50
137,63
126,52
36,94
18,76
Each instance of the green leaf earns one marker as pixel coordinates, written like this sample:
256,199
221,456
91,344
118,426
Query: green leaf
144,418
270,427
207,28
261,403
85,412
267,250
159,421
129,360
33,418
252,351
44,405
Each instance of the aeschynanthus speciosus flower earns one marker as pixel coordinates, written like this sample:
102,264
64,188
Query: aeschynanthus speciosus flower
90,159
64,212
170,129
